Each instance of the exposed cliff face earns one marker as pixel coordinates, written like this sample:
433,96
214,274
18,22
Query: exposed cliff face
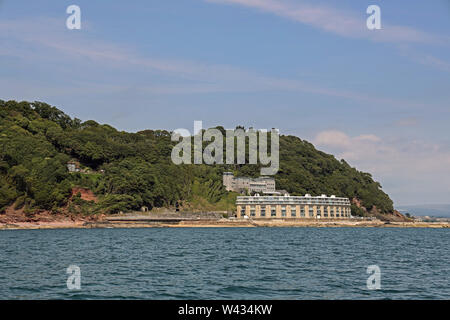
84,194
13,216
374,212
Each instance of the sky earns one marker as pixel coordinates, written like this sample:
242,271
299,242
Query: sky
380,99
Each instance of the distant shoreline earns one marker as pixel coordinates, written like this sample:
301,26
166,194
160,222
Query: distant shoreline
214,223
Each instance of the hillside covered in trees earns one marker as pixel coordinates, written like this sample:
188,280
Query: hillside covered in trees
126,171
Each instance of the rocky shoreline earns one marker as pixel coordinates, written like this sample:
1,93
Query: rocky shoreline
125,222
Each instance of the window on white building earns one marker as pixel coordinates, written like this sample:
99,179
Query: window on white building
293,211
273,212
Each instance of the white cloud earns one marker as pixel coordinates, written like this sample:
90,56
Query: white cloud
425,59
407,122
49,42
411,171
350,25
337,21
333,138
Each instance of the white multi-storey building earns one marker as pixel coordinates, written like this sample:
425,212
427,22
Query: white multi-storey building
266,207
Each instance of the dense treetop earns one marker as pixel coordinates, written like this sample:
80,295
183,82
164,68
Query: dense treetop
130,170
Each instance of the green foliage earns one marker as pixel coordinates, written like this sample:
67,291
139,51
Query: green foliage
356,211
37,141
8,193
303,169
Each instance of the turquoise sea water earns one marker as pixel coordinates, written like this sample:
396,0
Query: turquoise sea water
225,263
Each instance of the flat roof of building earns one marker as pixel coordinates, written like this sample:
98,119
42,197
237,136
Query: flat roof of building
307,199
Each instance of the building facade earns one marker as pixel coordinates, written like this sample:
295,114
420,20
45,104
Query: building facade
252,185
284,207
73,166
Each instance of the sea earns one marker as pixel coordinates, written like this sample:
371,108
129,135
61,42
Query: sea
225,263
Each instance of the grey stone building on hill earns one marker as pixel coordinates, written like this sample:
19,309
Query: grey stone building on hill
252,185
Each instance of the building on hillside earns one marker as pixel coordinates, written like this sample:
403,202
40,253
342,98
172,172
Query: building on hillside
286,206
73,166
252,185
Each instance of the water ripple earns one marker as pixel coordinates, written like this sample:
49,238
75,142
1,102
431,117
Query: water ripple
225,263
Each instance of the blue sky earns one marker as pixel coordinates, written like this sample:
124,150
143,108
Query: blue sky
378,98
